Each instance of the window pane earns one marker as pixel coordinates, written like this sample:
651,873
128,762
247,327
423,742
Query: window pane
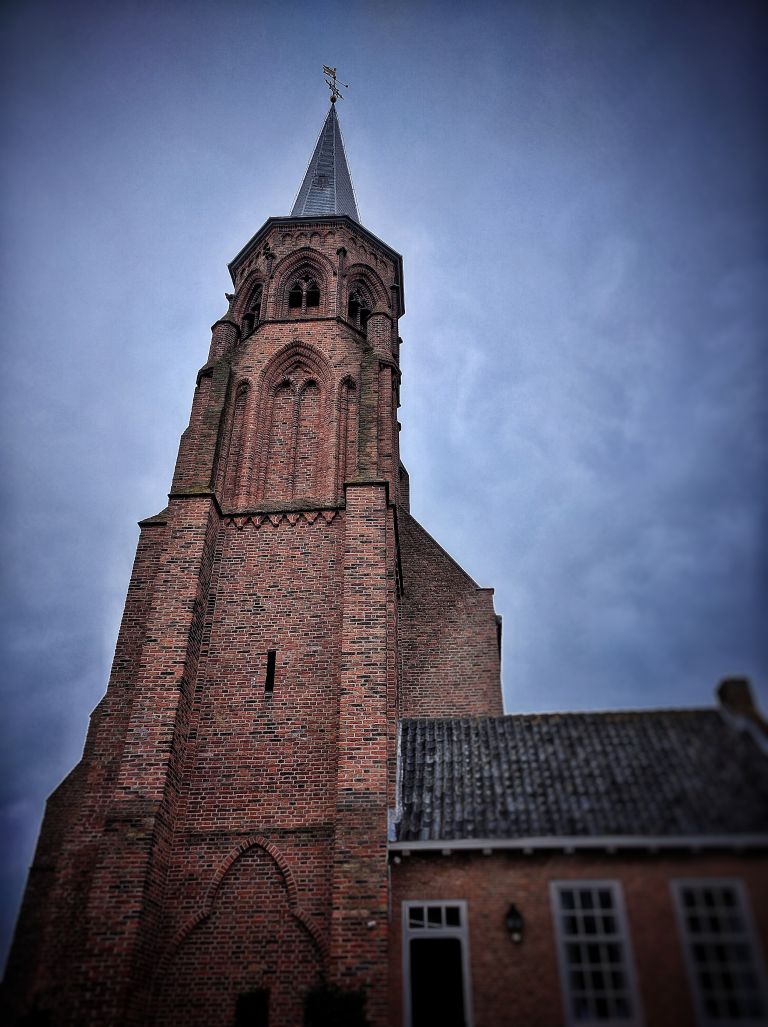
578,980
435,916
595,963
566,899
416,916
720,949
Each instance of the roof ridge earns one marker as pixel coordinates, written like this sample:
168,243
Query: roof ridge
677,710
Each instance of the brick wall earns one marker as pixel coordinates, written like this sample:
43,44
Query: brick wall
217,838
516,984
448,633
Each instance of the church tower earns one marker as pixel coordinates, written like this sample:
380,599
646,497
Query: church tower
219,854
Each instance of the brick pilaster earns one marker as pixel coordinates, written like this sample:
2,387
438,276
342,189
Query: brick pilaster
359,929
125,894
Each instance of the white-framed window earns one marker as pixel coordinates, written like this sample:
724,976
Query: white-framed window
596,968
436,980
723,958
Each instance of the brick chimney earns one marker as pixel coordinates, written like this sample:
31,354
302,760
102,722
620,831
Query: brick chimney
735,698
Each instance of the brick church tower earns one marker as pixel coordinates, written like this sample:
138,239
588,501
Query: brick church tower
220,851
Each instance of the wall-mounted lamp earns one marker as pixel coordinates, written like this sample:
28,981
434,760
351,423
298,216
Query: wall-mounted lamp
514,923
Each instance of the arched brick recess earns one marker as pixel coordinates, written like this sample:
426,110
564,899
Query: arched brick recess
249,932
346,442
233,463
294,397
306,468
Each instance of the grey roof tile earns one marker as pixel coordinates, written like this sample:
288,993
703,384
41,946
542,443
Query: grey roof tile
327,186
646,773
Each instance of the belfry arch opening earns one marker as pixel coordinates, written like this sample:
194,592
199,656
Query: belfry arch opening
252,316
304,294
359,307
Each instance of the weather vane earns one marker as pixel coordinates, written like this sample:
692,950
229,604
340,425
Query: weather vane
330,81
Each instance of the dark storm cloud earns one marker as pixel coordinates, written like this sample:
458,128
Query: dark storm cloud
577,192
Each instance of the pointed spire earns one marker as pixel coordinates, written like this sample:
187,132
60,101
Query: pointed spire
327,186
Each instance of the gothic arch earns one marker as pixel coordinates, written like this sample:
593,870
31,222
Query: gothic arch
296,351
245,291
372,280
293,460
206,905
305,261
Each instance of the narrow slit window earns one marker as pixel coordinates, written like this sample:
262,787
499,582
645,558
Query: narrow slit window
255,304
269,681
358,309
295,297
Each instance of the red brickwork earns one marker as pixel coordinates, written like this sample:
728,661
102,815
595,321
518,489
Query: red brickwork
516,984
51,935
448,633
226,829
225,832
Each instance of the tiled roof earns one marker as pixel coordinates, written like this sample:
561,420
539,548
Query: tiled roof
327,185
649,773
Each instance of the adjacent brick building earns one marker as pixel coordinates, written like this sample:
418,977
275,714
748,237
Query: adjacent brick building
299,793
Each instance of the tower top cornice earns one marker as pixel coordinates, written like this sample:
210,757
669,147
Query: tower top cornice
325,221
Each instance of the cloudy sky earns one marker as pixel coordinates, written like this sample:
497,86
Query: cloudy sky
577,191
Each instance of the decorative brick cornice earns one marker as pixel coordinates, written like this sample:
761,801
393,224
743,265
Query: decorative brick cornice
321,223
292,517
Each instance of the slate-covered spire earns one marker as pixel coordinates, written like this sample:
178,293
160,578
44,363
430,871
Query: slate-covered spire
327,186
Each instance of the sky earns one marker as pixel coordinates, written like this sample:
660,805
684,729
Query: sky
578,192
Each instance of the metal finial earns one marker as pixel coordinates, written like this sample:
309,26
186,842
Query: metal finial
330,81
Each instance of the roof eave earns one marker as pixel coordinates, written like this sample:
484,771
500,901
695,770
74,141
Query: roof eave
572,843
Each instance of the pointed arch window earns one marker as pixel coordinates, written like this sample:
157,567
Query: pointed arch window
313,294
296,297
304,294
253,314
359,308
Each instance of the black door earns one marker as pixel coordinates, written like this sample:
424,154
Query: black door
437,983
